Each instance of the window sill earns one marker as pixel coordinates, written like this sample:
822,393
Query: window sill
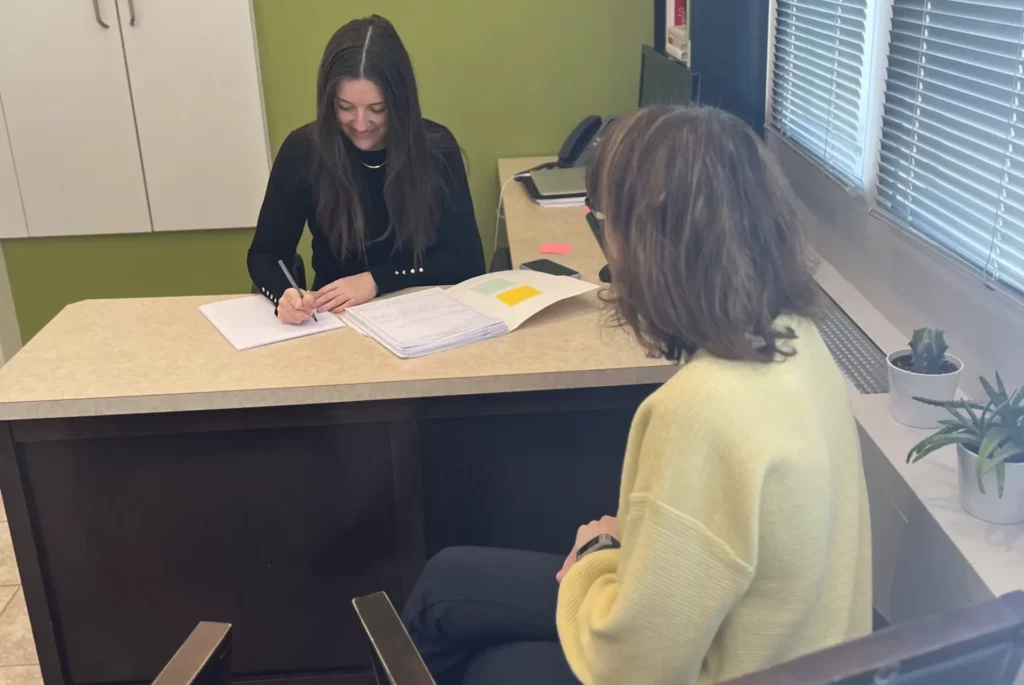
917,570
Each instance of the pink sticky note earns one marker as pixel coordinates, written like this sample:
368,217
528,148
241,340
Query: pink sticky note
556,248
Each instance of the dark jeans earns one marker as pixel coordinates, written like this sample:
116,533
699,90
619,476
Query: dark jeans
483,616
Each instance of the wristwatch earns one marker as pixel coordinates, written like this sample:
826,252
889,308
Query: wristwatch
602,541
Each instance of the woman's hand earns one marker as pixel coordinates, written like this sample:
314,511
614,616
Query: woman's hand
346,292
294,308
607,524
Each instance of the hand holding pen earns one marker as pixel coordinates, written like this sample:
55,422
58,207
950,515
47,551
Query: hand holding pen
295,305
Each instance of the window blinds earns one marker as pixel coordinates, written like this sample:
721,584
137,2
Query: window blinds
951,163
818,88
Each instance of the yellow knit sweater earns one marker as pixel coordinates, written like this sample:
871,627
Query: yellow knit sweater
745,530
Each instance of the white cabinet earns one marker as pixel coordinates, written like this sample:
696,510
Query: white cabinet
69,118
12,217
135,125
196,86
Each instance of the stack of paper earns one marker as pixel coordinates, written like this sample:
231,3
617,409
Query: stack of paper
563,202
484,307
422,323
248,322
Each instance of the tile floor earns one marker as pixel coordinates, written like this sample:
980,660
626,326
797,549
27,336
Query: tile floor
18,662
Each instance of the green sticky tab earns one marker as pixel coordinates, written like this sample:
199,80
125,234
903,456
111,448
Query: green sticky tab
492,286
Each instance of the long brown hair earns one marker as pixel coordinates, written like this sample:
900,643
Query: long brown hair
370,48
707,243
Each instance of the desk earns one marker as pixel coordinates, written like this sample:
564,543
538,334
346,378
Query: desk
154,477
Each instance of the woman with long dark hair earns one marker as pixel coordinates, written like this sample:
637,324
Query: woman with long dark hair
383,190
742,535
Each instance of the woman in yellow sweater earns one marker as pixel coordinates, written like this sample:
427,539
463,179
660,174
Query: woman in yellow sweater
742,536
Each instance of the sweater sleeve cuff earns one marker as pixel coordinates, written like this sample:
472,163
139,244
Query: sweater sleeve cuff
572,617
272,295
584,573
392,277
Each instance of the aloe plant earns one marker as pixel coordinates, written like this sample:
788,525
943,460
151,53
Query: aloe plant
928,350
994,430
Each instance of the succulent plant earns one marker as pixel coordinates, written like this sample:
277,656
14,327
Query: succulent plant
994,430
928,350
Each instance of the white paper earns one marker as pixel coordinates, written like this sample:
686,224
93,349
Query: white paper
422,323
563,202
494,295
248,322
432,320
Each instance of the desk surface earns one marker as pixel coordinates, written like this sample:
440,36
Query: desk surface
530,226
138,356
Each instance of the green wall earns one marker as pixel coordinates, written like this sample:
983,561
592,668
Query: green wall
508,78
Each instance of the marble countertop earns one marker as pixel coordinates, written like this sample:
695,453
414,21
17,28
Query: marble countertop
137,356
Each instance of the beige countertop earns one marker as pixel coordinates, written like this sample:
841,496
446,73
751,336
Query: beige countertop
138,356
529,225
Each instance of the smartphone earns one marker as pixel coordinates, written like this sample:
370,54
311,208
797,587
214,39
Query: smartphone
549,267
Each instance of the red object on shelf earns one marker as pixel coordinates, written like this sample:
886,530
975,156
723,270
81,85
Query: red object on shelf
679,16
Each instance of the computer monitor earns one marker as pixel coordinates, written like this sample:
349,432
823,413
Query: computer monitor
664,80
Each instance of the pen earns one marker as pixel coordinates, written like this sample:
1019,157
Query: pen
291,281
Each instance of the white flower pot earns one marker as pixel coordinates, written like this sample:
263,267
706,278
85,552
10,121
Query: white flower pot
904,386
990,506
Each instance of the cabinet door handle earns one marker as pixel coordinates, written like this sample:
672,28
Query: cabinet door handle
131,12
96,11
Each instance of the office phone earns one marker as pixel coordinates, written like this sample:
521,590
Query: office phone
582,141
576,149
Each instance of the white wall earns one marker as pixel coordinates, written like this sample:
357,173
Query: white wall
910,283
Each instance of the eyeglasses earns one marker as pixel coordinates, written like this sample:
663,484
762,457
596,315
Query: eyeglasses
595,220
589,204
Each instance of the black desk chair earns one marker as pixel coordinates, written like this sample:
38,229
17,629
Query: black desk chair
979,645
298,270
501,260
203,659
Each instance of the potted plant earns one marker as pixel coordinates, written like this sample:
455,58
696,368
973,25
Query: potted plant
989,439
922,370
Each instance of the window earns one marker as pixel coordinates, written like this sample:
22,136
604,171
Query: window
951,163
818,83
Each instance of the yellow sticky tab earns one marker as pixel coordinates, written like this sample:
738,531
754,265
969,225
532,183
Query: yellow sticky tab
517,295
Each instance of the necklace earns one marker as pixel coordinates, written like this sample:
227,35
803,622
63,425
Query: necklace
373,166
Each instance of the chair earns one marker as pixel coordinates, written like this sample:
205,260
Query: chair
396,660
501,260
979,645
298,270
203,659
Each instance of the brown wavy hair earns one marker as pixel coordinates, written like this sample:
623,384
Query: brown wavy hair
706,241
370,48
